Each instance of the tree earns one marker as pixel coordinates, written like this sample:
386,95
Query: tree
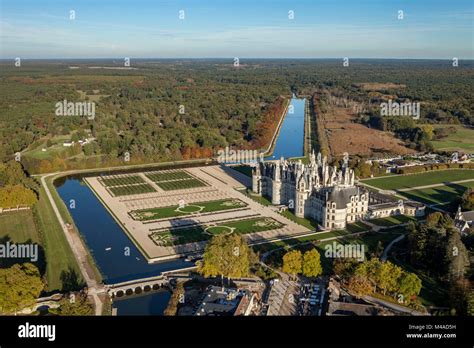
428,131
20,286
12,196
409,285
456,258
359,286
293,262
460,294
226,256
74,304
312,263
176,298
467,199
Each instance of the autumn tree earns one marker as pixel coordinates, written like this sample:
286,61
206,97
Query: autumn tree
312,263
15,195
293,262
176,298
359,286
226,256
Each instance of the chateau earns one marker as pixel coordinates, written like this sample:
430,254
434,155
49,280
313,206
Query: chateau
316,190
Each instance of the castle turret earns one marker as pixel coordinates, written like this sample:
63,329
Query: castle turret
257,180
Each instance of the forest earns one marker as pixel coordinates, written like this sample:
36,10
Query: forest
163,110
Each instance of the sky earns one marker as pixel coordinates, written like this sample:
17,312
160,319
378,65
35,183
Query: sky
436,29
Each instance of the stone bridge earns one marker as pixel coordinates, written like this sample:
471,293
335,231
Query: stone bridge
138,286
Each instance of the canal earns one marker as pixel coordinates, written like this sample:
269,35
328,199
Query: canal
290,140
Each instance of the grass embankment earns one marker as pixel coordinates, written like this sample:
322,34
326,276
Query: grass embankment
68,218
440,194
60,259
398,182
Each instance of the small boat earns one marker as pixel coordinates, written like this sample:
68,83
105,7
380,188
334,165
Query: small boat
107,249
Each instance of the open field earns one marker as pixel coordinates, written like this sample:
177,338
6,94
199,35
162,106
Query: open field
59,256
461,140
345,135
19,227
439,194
176,210
414,180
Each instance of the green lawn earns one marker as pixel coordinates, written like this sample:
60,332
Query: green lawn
124,180
393,220
422,179
167,176
173,211
59,256
306,222
440,194
19,227
259,199
180,184
461,140
131,190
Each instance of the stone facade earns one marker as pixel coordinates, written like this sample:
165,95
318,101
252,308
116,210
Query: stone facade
316,190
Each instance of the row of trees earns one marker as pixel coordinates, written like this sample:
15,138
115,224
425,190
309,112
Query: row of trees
307,264
383,276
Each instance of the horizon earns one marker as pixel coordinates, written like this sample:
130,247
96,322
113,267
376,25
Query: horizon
211,29
231,58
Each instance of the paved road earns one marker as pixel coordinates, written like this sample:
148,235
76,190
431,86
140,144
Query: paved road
80,252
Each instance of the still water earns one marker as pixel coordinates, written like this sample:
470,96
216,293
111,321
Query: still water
290,141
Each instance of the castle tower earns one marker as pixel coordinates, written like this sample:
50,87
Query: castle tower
276,184
257,180
301,196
